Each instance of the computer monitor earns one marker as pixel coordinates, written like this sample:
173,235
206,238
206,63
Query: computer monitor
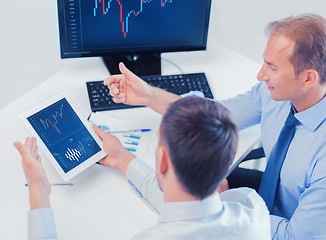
135,32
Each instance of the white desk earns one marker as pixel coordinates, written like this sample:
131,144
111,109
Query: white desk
101,204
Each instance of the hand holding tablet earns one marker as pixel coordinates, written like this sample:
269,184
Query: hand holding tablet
64,135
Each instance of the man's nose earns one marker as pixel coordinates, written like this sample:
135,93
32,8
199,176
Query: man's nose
262,74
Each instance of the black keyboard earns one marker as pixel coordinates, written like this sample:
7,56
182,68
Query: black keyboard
101,100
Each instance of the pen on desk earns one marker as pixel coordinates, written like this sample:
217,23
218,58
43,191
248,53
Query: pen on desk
89,116
57,184
133,130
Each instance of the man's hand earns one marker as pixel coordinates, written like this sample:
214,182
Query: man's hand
128,88
118,157
39,187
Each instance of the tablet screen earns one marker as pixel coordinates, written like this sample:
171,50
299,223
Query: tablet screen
64,134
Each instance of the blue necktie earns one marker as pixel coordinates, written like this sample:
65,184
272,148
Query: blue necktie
271,176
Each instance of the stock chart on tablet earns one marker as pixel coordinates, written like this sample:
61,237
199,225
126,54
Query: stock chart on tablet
64,134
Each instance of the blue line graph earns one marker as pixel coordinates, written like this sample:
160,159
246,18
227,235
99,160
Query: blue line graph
124,20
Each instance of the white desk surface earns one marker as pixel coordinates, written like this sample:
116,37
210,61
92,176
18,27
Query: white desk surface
101,204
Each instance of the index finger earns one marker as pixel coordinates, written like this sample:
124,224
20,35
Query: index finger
113,79
19,146
114,90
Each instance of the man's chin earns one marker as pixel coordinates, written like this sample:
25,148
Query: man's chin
277,98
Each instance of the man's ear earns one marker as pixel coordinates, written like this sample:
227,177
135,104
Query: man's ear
311,77
162,160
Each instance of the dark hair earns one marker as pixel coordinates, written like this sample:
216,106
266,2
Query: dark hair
202,140
309,34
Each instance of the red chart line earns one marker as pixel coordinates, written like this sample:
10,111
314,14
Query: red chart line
54,124
47,125
122,22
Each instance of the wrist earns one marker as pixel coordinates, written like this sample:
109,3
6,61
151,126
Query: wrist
125,163
39,195
149,98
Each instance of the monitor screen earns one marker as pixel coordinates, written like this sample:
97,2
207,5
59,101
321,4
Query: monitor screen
134,27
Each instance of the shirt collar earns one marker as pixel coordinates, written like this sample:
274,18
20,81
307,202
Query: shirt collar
177,211
313,116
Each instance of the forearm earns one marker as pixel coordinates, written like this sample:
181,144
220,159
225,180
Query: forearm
246,108
159,100
296,229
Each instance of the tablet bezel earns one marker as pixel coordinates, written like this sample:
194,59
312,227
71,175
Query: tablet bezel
84,165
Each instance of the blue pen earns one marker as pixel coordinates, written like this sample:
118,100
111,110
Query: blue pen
133,130
57,184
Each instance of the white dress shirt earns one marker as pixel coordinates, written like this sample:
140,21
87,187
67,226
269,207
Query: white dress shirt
235,214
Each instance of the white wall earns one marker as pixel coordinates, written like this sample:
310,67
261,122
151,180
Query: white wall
240,24
29,40
29,45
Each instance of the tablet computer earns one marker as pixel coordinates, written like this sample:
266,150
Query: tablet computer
64,135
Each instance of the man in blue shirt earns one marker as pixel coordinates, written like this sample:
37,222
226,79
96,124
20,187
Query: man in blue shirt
197,144
293,76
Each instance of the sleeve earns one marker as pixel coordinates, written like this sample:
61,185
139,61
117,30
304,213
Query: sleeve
246,108
143,179
308,220
41,224
247,197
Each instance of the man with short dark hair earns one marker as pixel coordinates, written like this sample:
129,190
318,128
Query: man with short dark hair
290,104
197,144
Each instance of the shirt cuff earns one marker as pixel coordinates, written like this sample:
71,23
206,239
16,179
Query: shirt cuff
41,224
193,93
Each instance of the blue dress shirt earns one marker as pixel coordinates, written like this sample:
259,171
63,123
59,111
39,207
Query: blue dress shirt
300,203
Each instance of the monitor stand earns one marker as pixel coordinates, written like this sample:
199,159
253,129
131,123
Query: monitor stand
140,64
